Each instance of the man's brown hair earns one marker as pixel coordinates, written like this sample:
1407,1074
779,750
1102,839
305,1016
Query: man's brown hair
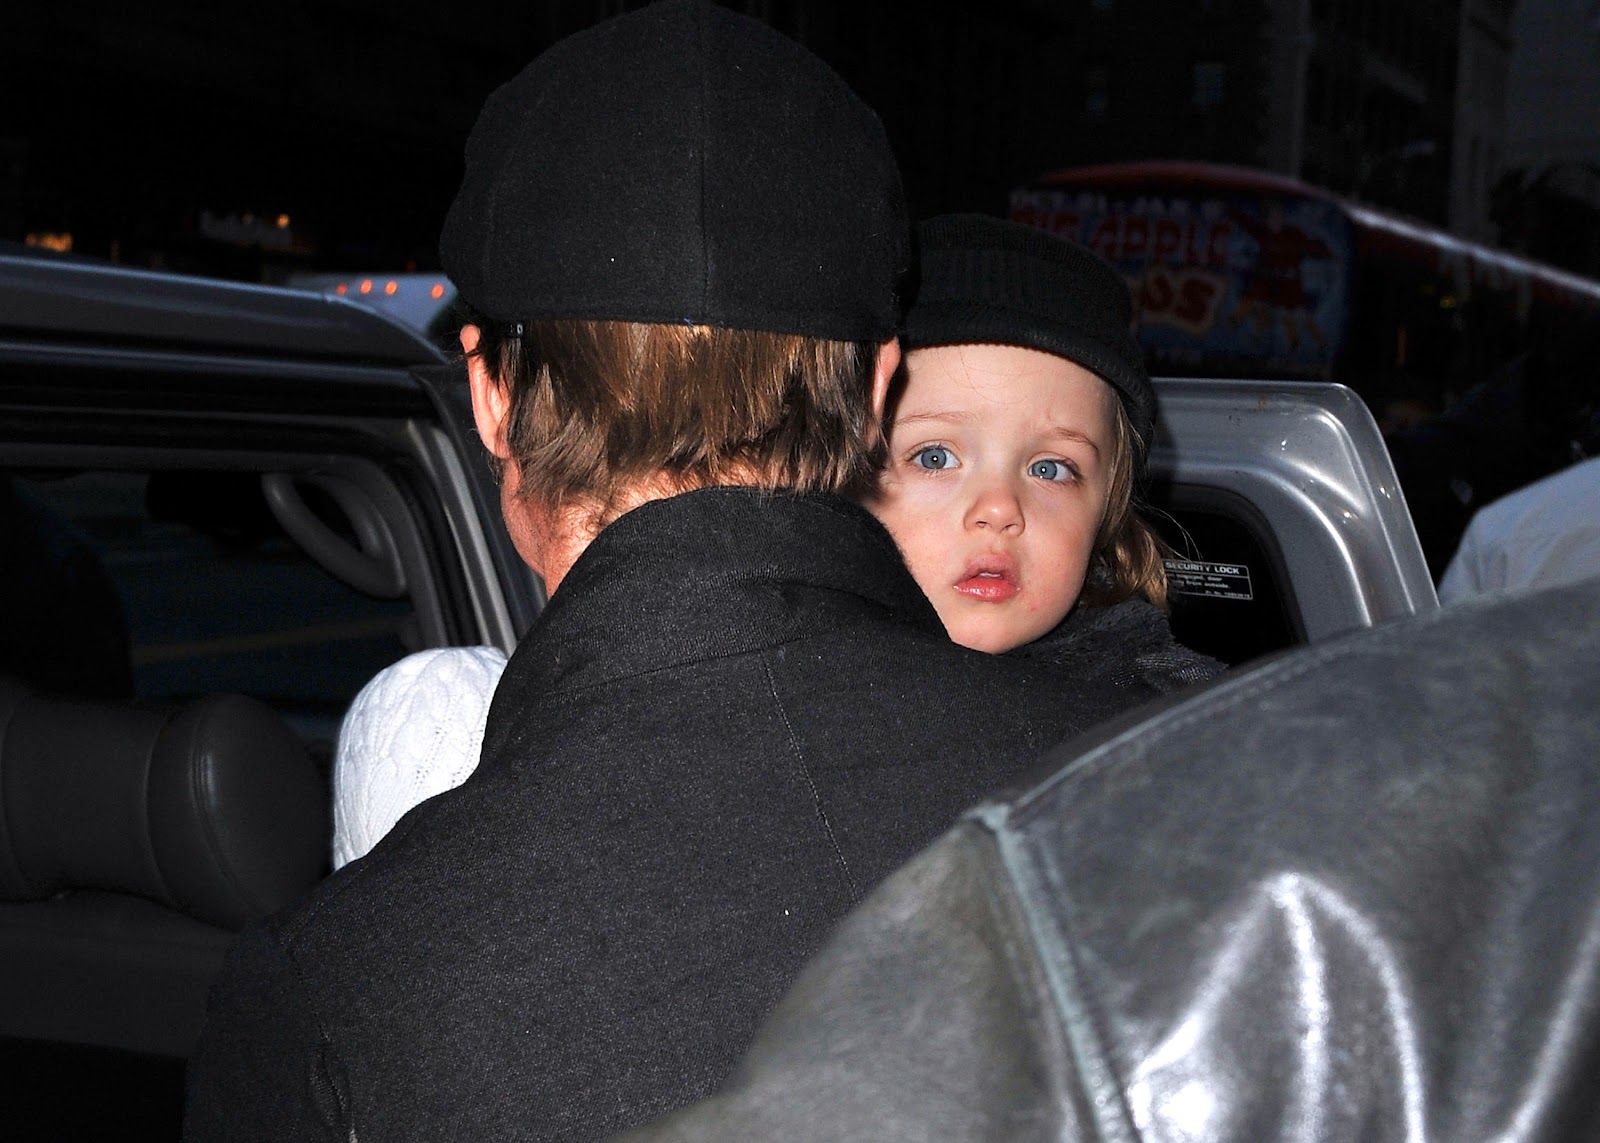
600,407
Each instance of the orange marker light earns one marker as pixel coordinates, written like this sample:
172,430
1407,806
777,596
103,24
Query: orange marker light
391,287
366,285
340,288
438,290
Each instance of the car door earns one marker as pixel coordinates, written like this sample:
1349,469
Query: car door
1284,515
205,489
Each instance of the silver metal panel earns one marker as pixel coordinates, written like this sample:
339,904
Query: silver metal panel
494,602
91,300
1310,458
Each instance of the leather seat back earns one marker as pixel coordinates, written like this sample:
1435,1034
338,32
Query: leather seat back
133,844
214,809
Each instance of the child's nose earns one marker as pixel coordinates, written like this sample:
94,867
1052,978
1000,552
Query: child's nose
996,508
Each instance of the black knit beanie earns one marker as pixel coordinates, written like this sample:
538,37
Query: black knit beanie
988,281
681,163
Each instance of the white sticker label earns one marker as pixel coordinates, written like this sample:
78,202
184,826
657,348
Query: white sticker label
1215,581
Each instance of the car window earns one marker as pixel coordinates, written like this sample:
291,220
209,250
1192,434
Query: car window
164,586
1226,587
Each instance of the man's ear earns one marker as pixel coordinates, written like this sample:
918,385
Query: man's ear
490,401
883,376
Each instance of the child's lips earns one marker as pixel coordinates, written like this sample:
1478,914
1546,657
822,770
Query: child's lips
989,580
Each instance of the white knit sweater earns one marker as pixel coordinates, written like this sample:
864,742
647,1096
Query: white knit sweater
414,731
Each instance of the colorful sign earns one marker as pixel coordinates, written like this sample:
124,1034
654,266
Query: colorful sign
1221,281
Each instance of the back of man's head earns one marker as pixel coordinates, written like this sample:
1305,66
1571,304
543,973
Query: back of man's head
683,233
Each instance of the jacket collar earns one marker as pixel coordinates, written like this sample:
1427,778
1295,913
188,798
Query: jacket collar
717,572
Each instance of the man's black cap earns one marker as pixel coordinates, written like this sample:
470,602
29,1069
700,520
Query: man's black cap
681,163
988,281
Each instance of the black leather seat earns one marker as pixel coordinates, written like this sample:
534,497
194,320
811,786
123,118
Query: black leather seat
133,845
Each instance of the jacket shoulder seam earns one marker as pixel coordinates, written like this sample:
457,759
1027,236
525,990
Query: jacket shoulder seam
805,773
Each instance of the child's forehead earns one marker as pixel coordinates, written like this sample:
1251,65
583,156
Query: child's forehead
973,377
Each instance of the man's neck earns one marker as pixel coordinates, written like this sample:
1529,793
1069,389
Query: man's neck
565,533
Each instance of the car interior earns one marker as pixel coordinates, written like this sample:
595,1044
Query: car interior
181,633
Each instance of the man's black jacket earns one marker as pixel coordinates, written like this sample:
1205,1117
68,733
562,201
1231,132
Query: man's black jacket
1353,894
737,715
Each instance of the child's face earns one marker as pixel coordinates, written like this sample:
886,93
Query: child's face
997,481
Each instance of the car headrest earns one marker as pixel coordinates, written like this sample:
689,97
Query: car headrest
214,809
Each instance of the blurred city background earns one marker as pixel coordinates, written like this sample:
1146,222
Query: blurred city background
329,134
1403,195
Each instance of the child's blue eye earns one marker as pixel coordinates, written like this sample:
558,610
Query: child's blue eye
934,457
1050,470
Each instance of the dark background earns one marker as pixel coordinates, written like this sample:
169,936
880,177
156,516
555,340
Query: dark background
176,134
